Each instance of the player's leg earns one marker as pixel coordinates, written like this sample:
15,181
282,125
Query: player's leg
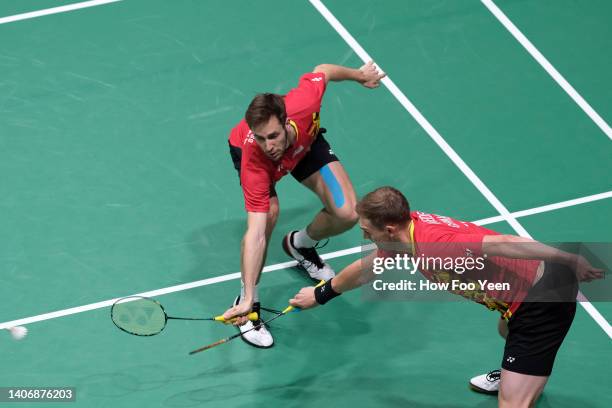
537,329
321,171
535,334
519,390
335,190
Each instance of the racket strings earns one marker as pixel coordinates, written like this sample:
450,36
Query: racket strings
139,316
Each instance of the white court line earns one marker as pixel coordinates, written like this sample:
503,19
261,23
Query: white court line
416,114
283,265
549,207
537,55
450,152
54,10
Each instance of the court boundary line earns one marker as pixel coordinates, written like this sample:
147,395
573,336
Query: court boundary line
54,10
446,148
548,67
551,207
289,264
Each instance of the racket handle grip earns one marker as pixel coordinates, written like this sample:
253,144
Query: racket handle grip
297,309
252,316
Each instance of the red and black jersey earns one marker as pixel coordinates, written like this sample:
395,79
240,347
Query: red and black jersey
434,236
258,173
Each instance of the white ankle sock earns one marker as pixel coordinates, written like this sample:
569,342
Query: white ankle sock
255,292
302,240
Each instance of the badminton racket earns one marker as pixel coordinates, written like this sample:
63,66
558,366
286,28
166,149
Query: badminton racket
143,316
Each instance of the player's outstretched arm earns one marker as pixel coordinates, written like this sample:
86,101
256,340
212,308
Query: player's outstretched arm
511,246
252,259
351,277
368,75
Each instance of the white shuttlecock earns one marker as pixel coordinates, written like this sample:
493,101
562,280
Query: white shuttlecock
18,332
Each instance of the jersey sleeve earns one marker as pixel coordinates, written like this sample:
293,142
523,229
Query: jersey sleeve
308,95
239,134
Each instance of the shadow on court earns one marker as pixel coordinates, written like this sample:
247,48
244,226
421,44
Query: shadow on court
216,246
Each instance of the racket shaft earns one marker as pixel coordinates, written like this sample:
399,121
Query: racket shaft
234,336
215,344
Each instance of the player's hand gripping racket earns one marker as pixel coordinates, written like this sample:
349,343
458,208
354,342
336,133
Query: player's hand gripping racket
288,309
143,316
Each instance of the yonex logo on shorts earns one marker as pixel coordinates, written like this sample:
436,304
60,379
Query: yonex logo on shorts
510,359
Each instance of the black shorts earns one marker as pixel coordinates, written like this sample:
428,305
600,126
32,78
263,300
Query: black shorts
537,328
319,155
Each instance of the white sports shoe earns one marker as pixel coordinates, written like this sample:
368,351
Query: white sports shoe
259,337
308,259
486,383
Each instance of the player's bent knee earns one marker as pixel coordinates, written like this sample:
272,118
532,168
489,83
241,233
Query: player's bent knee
273,215
346,215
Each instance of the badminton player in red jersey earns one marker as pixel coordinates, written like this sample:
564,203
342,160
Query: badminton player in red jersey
282,134
536,314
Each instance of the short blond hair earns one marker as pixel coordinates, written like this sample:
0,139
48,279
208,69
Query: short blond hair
383,206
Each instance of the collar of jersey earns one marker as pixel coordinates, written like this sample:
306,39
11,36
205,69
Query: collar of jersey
297,132
411,230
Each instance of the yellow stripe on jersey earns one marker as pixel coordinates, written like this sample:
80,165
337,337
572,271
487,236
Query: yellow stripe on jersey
316,124
297,132
411,229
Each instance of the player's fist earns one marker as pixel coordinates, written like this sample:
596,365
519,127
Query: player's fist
304,299
371,75
239,312
585,272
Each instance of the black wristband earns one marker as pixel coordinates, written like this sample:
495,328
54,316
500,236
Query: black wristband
325,293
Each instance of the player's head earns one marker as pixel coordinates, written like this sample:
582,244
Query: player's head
384,215
267,118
